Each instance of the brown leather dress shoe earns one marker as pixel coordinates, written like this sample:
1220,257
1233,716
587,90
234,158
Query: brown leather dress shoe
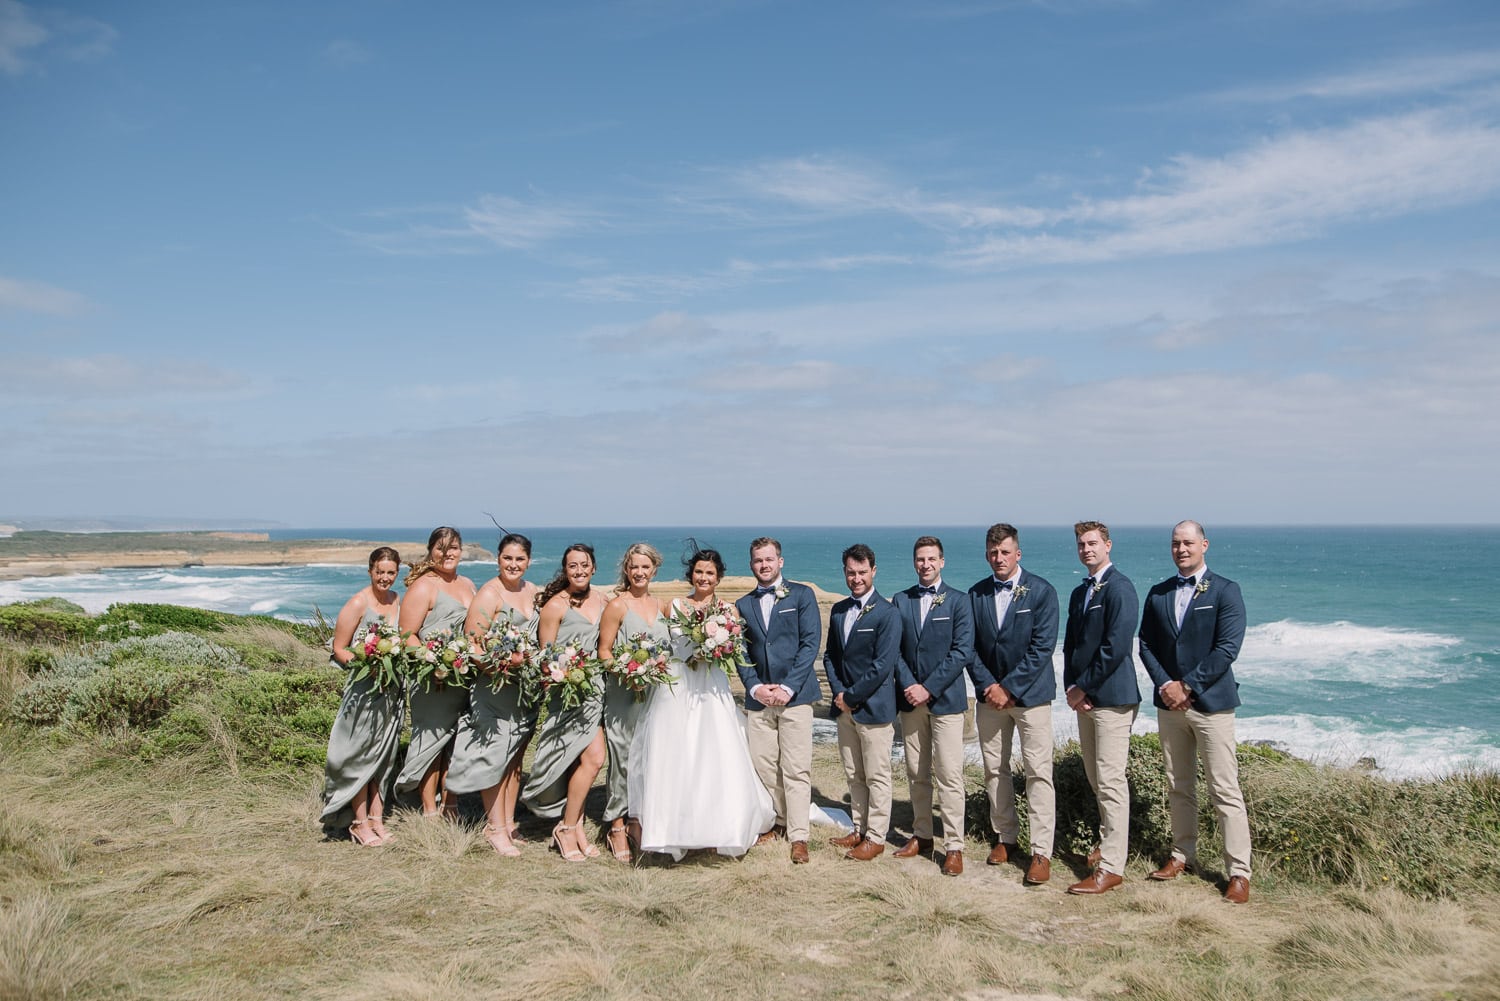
1039,871
847,841
1102,881
865,850
1002,852
1173,868
799,852
914,847
953,863
776,831
1238,890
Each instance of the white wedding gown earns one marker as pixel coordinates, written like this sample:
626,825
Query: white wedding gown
691,781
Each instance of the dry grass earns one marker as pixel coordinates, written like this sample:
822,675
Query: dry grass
182,880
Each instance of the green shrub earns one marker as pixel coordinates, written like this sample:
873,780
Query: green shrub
125,619
281,717
1430,837
39,622
133,694
42,701
177,649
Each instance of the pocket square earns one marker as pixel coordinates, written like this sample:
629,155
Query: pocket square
870,629
940,618
1021,611
1092,607
786,611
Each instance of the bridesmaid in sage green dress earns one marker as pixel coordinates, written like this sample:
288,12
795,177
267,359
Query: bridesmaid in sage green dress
489,747
569,744
367,731
633,610
437,601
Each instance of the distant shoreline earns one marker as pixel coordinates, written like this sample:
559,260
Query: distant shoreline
56,554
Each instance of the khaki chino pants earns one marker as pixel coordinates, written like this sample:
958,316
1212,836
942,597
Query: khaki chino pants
934,747
780,739
996,727
1186,737
1104,737
865,749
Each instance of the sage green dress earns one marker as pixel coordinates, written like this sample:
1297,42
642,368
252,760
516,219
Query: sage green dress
363,743
435,715
622,711
565,734
496,728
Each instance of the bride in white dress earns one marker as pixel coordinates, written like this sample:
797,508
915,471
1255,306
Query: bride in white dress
691,781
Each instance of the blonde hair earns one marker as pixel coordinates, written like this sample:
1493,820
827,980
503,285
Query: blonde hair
645,549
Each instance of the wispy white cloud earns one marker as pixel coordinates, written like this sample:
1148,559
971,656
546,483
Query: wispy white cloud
112,376
1285,189
29,34
39,297
20,33
1405,76
346,52
645,286
490,221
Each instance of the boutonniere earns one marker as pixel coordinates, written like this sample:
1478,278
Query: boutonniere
1020,591
782,591
864,610
939,598
1202,587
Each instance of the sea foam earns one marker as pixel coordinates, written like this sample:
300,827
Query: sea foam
1337,651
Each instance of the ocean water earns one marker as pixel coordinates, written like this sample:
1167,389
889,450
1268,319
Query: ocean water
1376,642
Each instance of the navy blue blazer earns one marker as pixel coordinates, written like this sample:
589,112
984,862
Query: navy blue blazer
863,669
1017,653
936,655
1096,647
1202,652
785,653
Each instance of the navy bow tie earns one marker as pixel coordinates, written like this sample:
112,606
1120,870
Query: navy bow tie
1004,585
761,591
1187,581
927,590
1090,581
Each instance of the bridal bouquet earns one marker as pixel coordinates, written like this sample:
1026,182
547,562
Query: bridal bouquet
443,661
380,655
503,651
564,668
640,663
716,632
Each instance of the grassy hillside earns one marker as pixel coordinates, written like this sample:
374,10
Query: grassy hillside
158,839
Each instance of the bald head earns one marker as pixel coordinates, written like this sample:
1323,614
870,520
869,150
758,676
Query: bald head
1189,546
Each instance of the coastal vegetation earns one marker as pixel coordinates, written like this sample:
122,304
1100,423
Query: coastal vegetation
158,839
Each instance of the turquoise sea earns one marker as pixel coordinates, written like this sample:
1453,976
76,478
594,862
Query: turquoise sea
1378,642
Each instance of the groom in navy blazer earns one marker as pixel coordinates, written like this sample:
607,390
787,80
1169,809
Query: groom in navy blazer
1191,632
1099,675
782,629
864,648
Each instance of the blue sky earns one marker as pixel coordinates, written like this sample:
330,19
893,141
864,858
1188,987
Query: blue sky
721,262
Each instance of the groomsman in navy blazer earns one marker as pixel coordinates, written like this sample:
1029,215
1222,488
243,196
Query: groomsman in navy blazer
782,629
1015,632
1191,632
864,647
1099,675
937,641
